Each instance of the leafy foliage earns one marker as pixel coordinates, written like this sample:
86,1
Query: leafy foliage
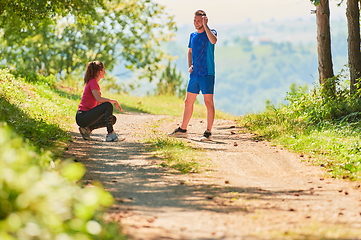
130,31
17,15
44,204
315,2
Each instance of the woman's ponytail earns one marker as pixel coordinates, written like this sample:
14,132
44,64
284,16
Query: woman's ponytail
92,69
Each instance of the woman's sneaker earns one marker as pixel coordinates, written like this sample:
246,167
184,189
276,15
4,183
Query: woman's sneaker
121,138
85,133
180,133
207,136
113,137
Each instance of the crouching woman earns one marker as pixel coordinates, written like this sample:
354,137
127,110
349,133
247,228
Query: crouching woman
95,111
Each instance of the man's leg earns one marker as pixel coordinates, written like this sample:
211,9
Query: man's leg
208,101
188,109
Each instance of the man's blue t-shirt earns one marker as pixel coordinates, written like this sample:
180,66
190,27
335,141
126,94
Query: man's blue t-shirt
202,54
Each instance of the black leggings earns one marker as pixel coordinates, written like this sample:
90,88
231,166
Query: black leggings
98,117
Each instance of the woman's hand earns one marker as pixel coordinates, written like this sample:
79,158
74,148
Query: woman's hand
100,100
117,105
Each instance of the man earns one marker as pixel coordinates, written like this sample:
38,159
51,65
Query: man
202,74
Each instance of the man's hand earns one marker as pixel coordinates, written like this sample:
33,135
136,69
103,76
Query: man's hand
205,20
190,69
211,36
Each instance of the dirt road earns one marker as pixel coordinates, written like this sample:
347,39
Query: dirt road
249,189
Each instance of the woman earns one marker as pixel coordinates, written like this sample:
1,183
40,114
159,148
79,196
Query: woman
95,111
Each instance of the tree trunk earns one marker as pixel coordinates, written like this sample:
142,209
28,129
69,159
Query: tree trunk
325,66
354,54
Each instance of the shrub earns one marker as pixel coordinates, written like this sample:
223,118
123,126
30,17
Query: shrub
38,203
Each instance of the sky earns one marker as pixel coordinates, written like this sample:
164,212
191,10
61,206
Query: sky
222,12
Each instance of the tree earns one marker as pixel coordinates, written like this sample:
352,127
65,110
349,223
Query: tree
130,31
354,54
16,15
325,65
170,82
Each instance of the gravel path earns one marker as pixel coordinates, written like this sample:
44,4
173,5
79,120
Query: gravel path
249,189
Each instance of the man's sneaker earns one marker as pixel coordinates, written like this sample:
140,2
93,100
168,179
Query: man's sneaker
113,137
207,136
85,133
180,133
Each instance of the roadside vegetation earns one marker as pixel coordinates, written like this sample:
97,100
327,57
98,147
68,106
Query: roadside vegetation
323,128
36,115
41,194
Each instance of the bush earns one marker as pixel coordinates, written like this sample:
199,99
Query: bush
38,203
33,77
307,111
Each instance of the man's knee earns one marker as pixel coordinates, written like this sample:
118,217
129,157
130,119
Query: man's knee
209,102
190,98
188,102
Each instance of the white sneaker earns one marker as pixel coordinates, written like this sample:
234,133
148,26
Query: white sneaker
113,137
121,138
180,133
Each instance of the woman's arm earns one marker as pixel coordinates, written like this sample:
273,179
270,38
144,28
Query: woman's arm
101,99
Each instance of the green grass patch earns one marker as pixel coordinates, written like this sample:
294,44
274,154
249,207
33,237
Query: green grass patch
313,231
176,154
163,105
37,111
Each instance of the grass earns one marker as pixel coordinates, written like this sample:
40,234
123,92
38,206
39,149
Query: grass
314,231
162,105
326,131
176,154
35,112
336,149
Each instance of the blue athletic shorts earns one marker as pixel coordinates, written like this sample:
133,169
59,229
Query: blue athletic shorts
204,84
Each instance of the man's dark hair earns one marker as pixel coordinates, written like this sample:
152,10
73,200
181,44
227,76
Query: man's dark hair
200,13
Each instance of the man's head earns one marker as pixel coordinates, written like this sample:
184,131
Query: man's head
200,13
198,19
